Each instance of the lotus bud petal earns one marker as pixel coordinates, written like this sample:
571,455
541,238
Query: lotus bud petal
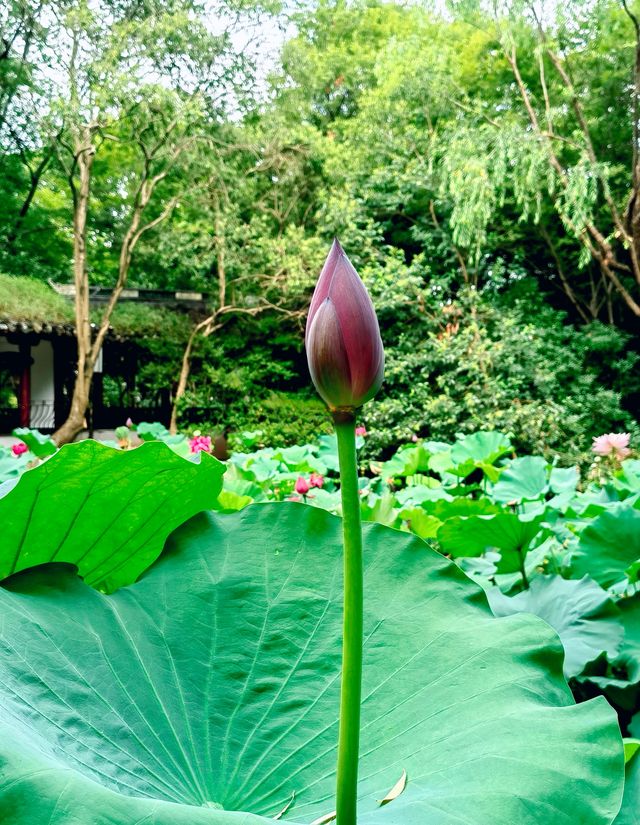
344,347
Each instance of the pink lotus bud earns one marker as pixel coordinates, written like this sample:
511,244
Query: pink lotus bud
19,448
344,347
200,443
316,480
128,423
302,486
361,431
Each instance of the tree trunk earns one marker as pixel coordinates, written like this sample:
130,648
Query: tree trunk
89,345
75,422
85,363
185,369
208,325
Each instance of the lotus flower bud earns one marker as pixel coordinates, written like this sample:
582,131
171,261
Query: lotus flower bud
302,486
344,347
19,448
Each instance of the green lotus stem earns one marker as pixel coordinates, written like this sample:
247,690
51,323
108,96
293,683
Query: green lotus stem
351,686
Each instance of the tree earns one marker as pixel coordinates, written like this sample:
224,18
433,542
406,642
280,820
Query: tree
257,260
112,106
28,30
564,133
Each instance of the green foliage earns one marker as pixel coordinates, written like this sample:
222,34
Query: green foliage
478,365
246,383
216,676
287,419
152,327
399,129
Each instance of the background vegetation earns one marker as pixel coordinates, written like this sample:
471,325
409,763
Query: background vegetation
479,165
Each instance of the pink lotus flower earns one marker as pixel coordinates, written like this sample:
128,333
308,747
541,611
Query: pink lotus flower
19,448
316,480
302,486
614,444
361,431
128,423
200,443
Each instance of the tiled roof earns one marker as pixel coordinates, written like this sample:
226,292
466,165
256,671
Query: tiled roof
45,328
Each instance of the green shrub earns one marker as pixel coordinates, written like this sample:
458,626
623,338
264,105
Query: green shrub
286,419
280,419
479,365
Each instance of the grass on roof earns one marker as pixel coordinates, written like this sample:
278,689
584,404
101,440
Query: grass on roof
33,301
29,300
132,320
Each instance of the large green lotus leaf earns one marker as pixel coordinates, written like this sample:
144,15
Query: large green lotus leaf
301,459
472,535
106,511
420,523
630,811
609,546
580,611
627,478
379,508
630,617
482,447
524,479
328,451
406,462
211,686
444,509
564,480
416,494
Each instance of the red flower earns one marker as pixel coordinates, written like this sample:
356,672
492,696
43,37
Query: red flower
19,448
200,443
316,480
362,431
344,347
302,486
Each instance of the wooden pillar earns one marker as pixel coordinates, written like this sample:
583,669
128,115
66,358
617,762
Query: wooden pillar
24,391
61,357
97,403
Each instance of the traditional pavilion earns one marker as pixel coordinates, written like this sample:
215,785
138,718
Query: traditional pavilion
38,355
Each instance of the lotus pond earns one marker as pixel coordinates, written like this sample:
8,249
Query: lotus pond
171,634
